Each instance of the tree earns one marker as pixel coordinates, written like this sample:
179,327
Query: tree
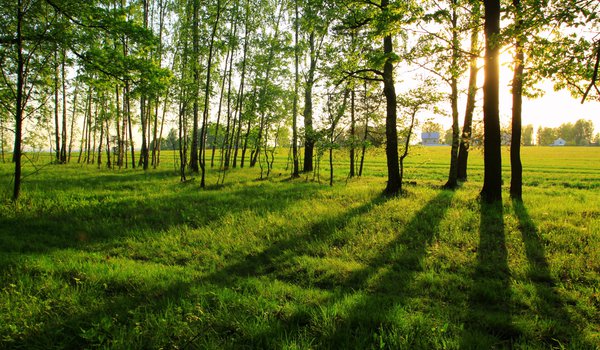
336,107
440,53
527,139
26,38
384,20
315,21
412,103
545,136
430,126
583,131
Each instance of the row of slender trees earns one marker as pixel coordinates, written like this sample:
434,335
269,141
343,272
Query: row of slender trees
234,75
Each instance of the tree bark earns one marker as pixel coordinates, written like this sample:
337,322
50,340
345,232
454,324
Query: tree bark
394,183
366,131
128,105
73,117
352,130
492,157
228,130
196,77
207,98
516,168
240,103
465,141
108,160
19,103
63,146
56,112
296,170
220,108
309,137
452,182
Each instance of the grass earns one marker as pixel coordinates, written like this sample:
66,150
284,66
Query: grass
125,259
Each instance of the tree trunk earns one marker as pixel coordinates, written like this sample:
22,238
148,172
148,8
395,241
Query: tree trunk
144,110
196,91
516,168
144,150
352,130
394,183
108,161
219,110
73,117
56,123
228,130
465,141
89,135
235,134
88,111
240,104
245,148
366,134
162,125
207,97
128,103
492,157
100,144
2,154
263,92
452,182
407,143
182,139
19,103
63,146
309,137
296,170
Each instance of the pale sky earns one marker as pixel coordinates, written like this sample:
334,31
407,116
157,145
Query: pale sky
555,108
550,110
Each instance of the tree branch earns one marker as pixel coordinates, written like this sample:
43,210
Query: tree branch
355,74
73,19
594,76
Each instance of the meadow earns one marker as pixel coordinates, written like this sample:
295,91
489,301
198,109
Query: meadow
125,259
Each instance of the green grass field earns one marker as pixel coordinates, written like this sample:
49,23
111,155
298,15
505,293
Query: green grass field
125,259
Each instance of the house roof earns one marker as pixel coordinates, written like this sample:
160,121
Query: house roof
430,135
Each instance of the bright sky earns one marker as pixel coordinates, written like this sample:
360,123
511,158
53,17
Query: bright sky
550,110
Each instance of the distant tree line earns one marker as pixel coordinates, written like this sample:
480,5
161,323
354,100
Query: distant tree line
579,134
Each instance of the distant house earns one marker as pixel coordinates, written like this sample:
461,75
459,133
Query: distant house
430,138
559,142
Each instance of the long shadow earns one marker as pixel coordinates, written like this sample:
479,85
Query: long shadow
279,253
383,284
388,282
488,320
266,262
89,220
550,306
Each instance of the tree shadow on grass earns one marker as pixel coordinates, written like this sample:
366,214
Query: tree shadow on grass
488,320
280,253
88,221
384,284
560,330
223,329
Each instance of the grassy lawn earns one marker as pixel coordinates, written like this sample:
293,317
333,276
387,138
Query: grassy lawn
125,259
